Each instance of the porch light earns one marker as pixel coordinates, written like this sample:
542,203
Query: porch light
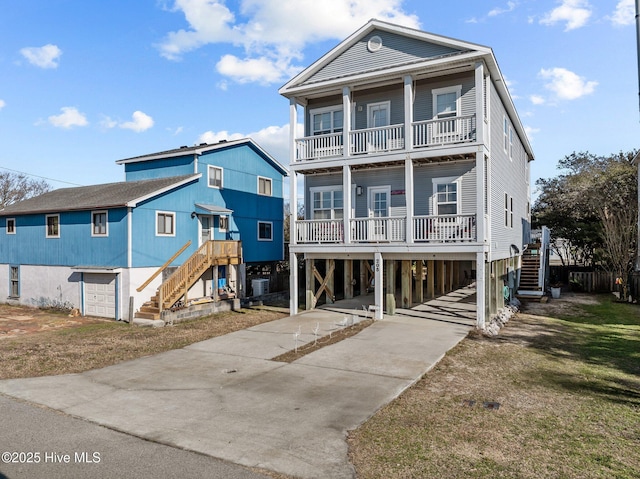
359,190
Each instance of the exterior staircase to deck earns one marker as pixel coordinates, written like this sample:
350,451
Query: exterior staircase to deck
530,272
176,286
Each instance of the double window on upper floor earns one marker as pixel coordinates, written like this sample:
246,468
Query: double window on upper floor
327,120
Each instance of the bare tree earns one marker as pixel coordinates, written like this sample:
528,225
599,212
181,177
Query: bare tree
16,187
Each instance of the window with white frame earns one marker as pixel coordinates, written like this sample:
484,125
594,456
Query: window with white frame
165,223
505,133
446,198
53,226
326,120
215,176
510,143
11,226
508,211
327,203
264,186
446,101
265,231
223,224
14,281
99,224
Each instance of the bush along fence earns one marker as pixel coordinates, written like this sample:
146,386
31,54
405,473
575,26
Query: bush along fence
603,282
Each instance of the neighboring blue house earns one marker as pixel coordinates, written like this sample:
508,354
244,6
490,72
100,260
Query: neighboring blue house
95,246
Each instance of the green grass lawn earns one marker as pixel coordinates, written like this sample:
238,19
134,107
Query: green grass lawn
567,378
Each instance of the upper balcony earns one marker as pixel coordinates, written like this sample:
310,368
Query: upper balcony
425,134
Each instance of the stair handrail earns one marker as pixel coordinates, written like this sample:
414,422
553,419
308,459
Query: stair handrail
545,240
163,267
193,268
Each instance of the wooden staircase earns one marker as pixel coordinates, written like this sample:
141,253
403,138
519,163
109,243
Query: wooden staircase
530,272
176,286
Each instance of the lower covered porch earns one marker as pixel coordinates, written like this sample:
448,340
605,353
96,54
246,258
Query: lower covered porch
382,285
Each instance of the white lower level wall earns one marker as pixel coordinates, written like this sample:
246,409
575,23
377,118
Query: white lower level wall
44,286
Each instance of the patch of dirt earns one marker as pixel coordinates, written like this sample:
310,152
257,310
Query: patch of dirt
20,320
566,304
320,343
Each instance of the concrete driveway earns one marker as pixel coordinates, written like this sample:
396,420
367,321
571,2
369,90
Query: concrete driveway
226,398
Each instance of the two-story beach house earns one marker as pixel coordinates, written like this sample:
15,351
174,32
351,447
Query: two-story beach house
415,168
201,213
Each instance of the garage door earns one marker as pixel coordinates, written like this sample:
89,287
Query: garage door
100,295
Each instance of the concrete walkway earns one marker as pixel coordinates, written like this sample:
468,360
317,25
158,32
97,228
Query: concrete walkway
226,398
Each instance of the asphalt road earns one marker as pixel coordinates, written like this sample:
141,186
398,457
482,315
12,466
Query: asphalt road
64,447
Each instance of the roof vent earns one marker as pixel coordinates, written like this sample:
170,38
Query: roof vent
222,141
184,146
203,144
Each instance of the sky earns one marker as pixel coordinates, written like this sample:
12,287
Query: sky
84,83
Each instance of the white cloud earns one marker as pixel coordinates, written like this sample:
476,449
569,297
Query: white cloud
530,131
537,99
575,13
566,84
2,104
275,32
140,122
499,11
43,57
108,122
274,139
624,13
254,70
69,118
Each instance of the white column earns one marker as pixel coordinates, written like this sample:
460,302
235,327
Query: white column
480,290
346,202
408,112
480,102
293,187
378,270
408,195
480,195
346,121
293,284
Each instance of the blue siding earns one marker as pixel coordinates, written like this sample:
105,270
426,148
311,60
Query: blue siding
147,170
74,247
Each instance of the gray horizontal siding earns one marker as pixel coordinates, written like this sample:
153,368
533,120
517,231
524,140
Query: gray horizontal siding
396,50
394,95
423,105
423,178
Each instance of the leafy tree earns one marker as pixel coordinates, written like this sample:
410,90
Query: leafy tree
593,205
287,219
16,187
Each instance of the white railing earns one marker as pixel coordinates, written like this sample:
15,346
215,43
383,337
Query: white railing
373,230
371,140
320,146
439,132
439,229
320,231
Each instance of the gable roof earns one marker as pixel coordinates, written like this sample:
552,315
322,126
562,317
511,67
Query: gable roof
108,195
202,148
320,78
424,48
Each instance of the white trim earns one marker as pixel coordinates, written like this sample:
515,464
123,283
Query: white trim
270,223
370,190
214,167
166,213
6,226
377,104
323,189
374,44
326,109
129,237
457,89
220,228
106,224
434,193
46,225
133,203
267,179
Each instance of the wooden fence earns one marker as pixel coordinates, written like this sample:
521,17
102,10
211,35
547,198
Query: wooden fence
592,281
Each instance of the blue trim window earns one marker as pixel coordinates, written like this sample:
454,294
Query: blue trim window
14,281
265,231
